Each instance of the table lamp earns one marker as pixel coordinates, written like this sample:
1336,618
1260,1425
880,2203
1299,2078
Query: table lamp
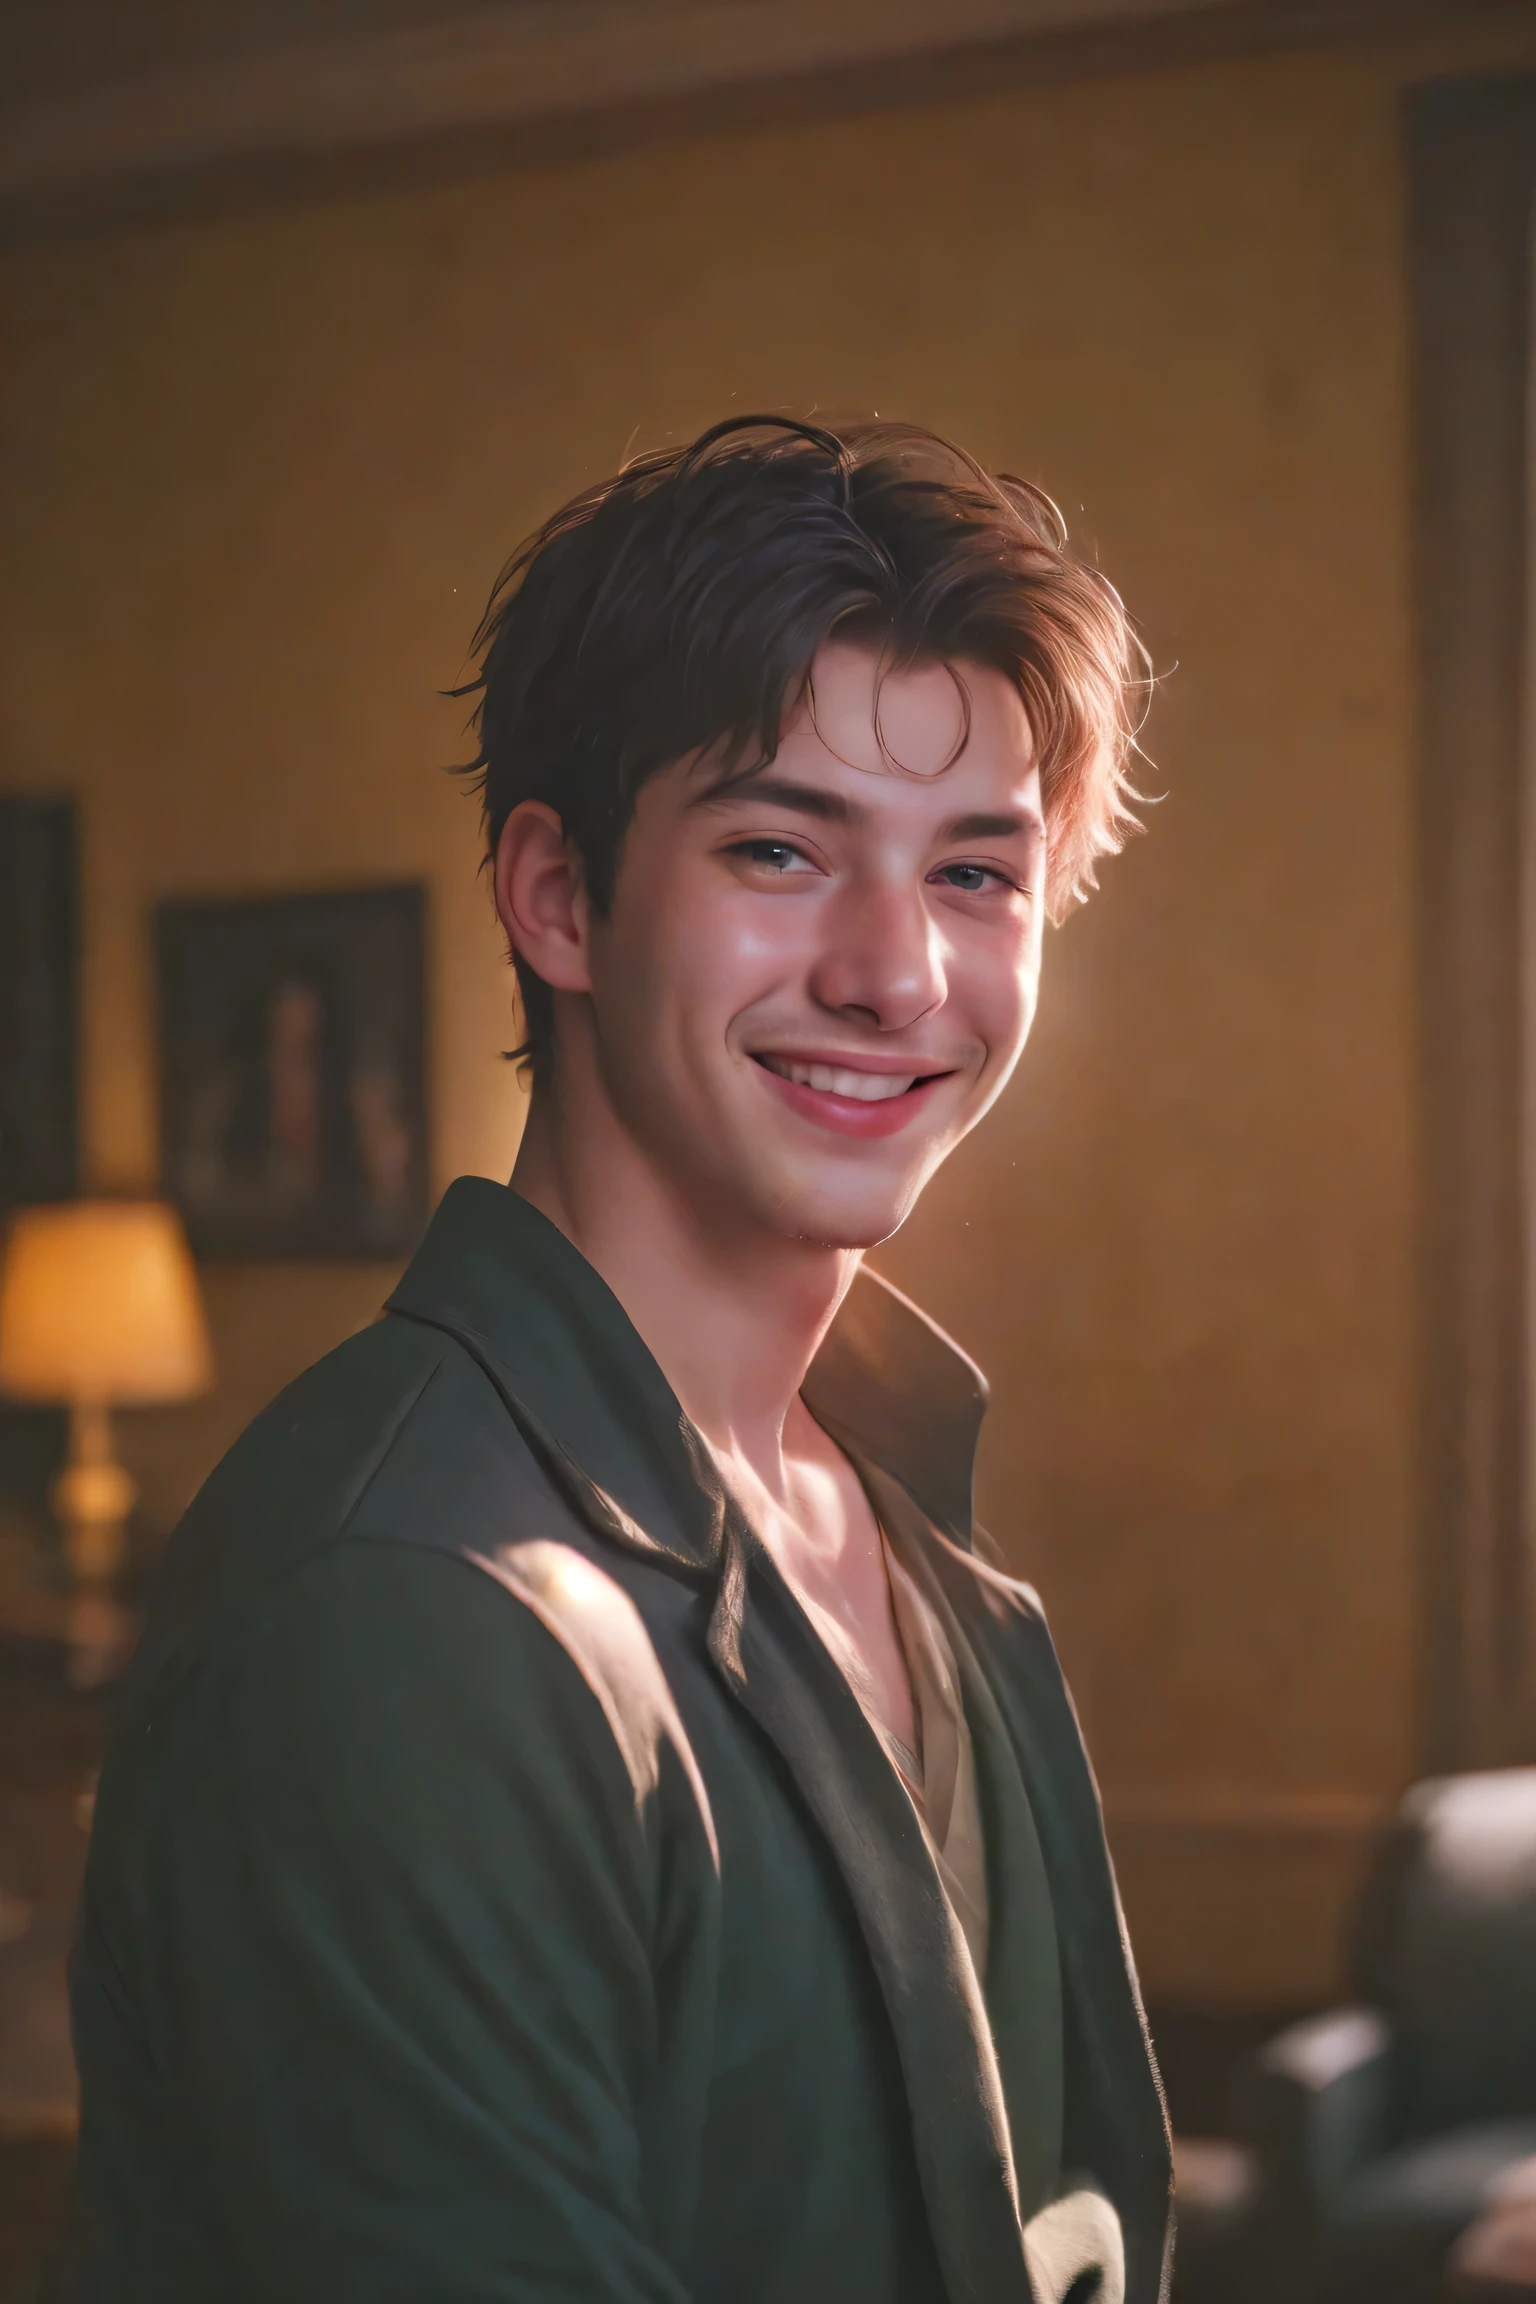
99,1308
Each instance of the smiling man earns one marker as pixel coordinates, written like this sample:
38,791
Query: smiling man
587,1821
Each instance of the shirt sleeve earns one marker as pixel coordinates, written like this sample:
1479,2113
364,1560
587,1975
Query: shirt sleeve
410,1899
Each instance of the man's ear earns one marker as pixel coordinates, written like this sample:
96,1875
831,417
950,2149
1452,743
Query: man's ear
541,897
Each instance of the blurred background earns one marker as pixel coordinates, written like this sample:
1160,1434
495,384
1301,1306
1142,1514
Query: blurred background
311,309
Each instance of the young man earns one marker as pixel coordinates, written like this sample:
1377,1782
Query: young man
585,1822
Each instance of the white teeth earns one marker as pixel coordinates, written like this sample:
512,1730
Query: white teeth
832,1080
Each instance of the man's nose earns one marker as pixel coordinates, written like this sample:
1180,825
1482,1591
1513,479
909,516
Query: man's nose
882,955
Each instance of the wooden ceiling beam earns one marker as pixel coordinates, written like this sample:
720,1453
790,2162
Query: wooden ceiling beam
529,81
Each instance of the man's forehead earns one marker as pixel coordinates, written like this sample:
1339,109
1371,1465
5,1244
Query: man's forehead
918,720
964,726
914,719
942,747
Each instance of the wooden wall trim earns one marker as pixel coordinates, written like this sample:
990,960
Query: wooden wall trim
1283,1819
503,87
1472,161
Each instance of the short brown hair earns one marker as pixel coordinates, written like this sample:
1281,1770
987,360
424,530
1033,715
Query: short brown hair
673,611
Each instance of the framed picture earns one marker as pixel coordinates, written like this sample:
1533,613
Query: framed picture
292,1067
39,1003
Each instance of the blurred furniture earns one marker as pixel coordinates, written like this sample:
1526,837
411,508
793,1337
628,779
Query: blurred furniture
1213,2189
1383,2131
1496,2256
99,1307
52,1737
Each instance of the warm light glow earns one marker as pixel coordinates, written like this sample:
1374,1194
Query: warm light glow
99,1302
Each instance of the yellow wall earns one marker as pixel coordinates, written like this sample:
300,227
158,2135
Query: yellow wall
258,476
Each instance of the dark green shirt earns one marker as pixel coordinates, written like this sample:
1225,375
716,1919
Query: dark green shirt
498,1893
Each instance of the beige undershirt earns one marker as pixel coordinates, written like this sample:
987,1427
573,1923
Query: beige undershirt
1078,2232
940,1776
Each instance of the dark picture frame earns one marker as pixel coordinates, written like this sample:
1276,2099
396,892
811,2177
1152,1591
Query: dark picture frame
293,1073
39,1074
1471,149
39,1001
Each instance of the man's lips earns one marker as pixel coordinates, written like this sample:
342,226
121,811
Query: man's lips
847,1097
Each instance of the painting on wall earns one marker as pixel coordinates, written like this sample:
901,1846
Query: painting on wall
292,1056
39,1094
38,1000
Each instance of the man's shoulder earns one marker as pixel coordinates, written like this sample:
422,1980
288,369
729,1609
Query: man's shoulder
387,1490
377,1617
396,1432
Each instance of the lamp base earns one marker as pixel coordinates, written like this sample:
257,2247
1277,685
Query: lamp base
93,1497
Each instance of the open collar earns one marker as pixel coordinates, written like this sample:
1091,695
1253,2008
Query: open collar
498,1275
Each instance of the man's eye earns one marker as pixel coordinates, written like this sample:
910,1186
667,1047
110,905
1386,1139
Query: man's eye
773,855
972,878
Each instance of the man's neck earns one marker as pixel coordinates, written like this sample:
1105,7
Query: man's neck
732,1313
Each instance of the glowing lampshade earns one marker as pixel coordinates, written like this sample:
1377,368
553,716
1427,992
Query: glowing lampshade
99,1306
99,1303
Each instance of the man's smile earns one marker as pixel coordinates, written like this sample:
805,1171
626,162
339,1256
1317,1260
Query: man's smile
843,1092
839,1079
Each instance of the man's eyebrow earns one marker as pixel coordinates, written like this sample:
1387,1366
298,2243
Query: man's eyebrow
983,827
826,807
783,792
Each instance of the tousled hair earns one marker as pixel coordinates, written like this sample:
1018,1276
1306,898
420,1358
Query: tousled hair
673,610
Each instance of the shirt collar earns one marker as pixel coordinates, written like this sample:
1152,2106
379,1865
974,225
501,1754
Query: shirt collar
888,1384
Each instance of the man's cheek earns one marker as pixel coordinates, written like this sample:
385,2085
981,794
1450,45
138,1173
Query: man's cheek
1001,1015
746,945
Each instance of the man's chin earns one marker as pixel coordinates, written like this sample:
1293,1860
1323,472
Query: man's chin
842,1220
